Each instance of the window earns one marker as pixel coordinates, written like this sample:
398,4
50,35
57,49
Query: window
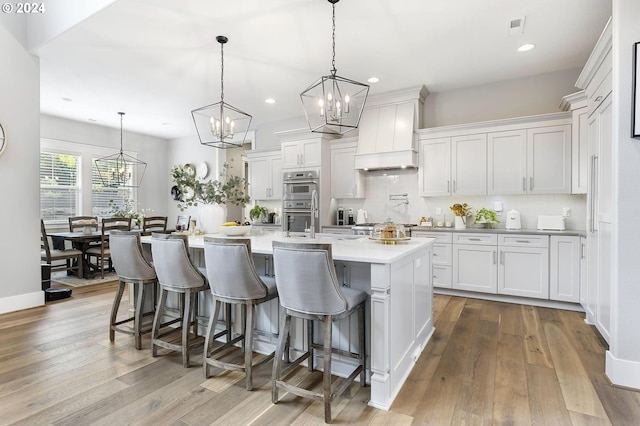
70,184
59,185
105,199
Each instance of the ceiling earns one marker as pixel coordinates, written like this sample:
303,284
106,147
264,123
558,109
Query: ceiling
157,60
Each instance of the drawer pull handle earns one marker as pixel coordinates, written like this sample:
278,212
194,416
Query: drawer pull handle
435,254
523,241
475,239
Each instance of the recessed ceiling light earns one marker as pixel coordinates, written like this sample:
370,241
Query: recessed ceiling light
67,99
373,79
165,123
92,119
526,47
270,101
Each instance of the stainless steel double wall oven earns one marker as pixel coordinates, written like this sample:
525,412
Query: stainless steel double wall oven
296,200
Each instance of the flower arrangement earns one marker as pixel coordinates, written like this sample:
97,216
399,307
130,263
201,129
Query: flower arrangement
228,190
462,210
127,209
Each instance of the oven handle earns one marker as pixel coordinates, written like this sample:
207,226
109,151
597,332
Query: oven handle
289,182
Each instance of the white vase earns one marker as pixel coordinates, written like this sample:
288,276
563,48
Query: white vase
461,222
210,217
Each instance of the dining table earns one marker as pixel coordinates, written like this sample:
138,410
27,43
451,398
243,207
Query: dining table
81,241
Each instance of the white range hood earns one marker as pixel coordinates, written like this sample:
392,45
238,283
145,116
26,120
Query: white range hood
386,134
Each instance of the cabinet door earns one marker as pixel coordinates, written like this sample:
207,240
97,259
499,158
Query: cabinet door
386,128
441,276
259,178
603,296
435,167
346,181
564,269
404,127
469,165
549,160
524,272
475,268
275,192
290,154
507,162
310,153
579,151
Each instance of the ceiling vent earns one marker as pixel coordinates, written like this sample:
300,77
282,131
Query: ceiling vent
516,26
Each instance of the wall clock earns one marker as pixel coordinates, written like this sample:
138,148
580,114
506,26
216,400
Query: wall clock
3,139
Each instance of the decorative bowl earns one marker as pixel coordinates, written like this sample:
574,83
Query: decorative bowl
235,231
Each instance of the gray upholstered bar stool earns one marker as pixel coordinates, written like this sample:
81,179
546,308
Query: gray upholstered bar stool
234,281
308,288
176,274
131,267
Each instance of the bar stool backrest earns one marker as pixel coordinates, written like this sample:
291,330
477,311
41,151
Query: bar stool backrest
306,278
172,263
230,269
127,257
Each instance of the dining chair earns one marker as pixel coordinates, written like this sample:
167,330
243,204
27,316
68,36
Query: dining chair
176,274
78,223
103,252
132,268
154,224
308,288
50,255
233,281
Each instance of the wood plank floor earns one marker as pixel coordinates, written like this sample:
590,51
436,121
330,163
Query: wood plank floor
487,363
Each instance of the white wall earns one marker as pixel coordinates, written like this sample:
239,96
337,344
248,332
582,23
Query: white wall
539,94
623,358
152,194
380,185
19,164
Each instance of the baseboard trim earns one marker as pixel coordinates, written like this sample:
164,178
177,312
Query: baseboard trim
21,301
622,372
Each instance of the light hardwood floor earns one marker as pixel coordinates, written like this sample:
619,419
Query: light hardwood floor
487,363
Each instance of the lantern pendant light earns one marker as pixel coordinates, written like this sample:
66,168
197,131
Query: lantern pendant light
334,104
221,125
120,170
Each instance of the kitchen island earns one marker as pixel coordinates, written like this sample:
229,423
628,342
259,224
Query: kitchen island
398,279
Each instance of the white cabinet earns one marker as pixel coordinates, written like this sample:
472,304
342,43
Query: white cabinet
565,263
549,160
442,255
301,154
474,262
265,175
454,166
523,268
346,181
530,161
579,151
387,128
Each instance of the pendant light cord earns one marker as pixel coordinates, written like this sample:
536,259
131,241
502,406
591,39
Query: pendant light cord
333,36
222,72
121,114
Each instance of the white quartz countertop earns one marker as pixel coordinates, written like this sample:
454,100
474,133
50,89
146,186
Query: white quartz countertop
344,247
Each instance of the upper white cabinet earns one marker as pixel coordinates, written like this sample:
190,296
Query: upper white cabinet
528,155
454,166
577,104
265,175
301,154
346,181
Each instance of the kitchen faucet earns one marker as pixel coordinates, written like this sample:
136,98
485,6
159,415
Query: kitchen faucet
314,213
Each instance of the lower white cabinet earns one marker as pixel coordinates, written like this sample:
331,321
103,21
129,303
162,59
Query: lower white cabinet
441,259
523,268
565,259
474,262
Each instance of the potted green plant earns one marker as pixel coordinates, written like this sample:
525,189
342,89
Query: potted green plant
257,212
485,216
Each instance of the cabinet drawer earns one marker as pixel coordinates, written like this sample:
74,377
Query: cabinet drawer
442,276
441,237
441,254
468,238
541,241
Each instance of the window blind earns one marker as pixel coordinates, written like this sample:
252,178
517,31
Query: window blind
59,187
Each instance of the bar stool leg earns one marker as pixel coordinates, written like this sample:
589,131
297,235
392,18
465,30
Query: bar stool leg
186,324
208,340
162,300
327,369
362,350
310,344
137,318
277,360
114,310
248,344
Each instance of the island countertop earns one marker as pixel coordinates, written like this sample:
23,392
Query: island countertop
349,248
